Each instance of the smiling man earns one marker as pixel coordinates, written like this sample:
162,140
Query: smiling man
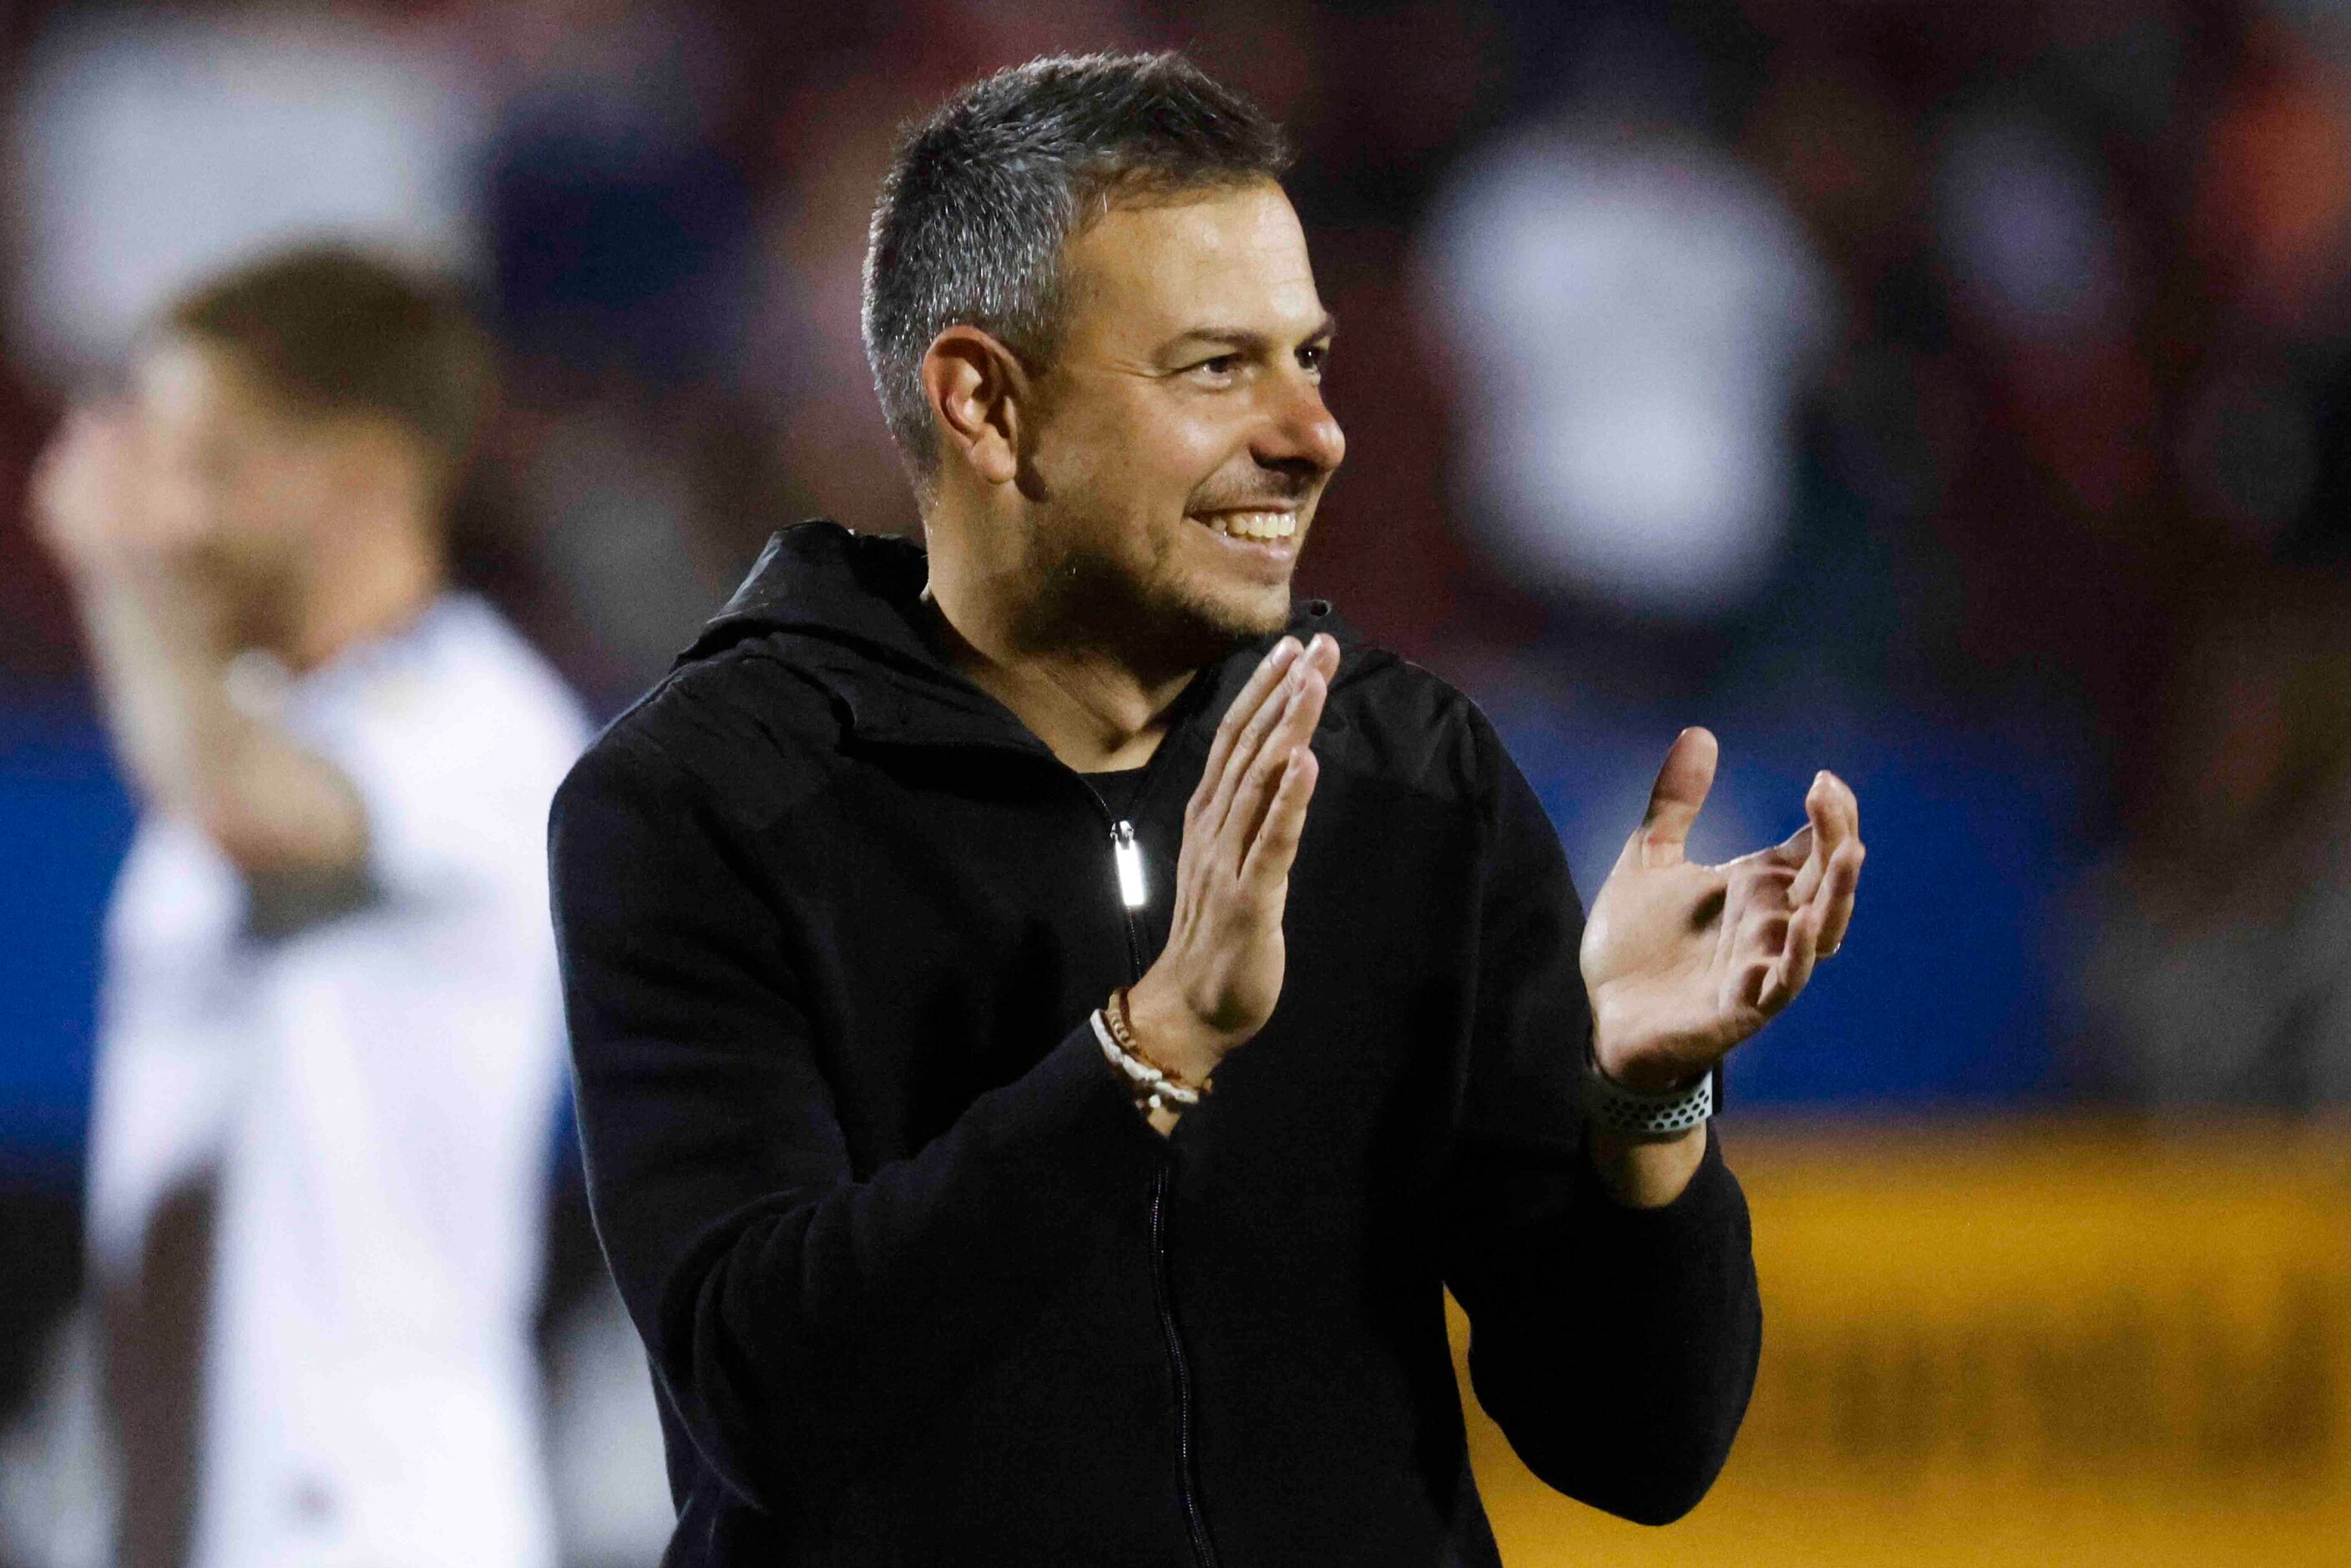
1052,1017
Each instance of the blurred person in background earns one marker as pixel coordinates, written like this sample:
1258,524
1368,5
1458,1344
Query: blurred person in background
1638,314
2218,968
905,927
328,1055
150,146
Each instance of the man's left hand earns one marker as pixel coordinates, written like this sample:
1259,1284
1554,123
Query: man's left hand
1683,961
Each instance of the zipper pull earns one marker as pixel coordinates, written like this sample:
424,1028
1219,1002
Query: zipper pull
1129,856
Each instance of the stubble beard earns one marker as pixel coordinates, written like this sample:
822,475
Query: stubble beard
1154,618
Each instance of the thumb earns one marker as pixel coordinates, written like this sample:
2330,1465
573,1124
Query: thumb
1675,799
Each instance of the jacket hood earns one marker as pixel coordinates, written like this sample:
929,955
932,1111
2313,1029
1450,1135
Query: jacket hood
820,577
846,600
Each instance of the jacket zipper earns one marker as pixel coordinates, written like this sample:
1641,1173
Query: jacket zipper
1187,1484
1126,858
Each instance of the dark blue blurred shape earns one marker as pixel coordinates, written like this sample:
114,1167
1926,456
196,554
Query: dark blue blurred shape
624,256
65,822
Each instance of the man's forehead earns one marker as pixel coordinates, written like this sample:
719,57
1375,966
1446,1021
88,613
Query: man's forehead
1234,258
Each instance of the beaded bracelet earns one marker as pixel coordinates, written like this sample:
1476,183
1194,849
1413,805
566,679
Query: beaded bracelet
1152,1089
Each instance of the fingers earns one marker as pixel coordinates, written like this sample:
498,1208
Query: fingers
1784,937
1790,852
1836,906
1262,683
1224,955
79,485
1267,868
1837,802
1835,824
65,459
1675,798
1818,928
1798,953
1298,689
1248,747
1831,817
1294,728
1755,918
1785,960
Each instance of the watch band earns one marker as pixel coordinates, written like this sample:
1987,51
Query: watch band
1634,1114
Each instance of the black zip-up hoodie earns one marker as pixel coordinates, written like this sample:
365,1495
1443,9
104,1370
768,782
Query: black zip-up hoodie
920,1286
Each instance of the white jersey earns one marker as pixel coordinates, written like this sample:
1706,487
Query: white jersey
376,1092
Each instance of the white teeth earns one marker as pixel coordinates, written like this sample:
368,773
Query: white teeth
1256,525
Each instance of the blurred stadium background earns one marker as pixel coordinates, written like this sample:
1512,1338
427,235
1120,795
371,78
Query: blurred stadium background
1958,396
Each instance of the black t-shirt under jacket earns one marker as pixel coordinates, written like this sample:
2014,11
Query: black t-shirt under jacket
920,1287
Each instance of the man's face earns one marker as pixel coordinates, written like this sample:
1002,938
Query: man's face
235,482
1181,442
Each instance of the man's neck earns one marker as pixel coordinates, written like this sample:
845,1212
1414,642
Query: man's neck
1093,709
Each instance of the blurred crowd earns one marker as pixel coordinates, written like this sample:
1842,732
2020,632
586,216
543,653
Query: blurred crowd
1959,395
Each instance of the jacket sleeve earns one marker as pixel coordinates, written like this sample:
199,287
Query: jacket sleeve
796,1318
1616,1347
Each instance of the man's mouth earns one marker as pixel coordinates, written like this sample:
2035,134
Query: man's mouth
1264,527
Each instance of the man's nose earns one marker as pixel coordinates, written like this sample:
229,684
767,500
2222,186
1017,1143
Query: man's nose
1302,431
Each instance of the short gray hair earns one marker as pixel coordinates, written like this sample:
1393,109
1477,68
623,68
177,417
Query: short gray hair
984,195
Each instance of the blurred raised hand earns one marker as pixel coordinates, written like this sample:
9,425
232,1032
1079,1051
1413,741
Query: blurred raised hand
85,500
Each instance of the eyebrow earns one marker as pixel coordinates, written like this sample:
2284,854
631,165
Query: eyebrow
1248,340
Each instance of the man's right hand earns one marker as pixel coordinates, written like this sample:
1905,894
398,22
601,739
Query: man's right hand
83,493
1216,982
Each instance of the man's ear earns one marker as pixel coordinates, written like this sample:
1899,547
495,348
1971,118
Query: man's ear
979,395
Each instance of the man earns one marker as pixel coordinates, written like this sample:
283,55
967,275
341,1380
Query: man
1047,1037
329,1057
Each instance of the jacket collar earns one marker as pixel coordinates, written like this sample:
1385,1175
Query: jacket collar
846,601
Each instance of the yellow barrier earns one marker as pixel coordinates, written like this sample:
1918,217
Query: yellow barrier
2057,1347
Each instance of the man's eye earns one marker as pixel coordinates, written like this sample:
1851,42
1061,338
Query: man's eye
1222,365
1314,358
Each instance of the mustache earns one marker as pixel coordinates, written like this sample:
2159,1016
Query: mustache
1277,490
